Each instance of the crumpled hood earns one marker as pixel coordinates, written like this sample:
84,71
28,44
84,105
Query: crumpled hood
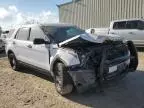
90,38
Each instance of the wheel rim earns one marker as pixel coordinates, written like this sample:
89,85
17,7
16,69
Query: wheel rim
58,79
61,88
58,84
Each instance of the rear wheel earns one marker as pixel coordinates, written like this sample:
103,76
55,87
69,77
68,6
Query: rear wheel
13,62
63,81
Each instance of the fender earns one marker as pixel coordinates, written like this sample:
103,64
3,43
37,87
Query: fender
9,51
56,59
67,59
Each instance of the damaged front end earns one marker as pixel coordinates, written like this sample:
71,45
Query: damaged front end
101,62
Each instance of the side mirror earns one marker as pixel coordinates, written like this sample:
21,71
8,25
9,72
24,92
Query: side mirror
40,41
6,32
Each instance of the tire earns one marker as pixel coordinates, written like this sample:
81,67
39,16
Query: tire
63,81
13,62
134,56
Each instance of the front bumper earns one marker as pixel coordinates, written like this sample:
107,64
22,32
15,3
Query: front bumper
85,78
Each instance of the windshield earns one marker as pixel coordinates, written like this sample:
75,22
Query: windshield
60,34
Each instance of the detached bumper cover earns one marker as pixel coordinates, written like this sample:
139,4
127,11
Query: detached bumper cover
83,79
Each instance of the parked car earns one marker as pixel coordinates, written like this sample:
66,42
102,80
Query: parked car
130,29
4,35
74,58
2,40
2,48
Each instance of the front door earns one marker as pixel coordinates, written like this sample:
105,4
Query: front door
38,54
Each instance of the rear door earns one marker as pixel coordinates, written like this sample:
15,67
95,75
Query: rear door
129,30
21,44
135,31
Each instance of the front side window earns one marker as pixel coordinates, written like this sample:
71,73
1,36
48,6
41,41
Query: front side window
60,34
119,25
10,33
23,34
35,33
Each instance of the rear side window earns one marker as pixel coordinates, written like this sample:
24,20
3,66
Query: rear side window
132,24
23,34
120,25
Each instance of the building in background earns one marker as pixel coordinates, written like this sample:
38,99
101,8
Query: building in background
99,13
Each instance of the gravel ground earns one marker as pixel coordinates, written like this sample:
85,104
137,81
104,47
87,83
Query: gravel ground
29,89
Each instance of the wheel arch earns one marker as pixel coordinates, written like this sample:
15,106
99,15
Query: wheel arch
55,61
9,51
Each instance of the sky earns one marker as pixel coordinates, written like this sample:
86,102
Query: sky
18,12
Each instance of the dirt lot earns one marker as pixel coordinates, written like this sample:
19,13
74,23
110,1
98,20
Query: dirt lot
29,89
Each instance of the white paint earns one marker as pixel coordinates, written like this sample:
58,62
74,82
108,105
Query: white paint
136,35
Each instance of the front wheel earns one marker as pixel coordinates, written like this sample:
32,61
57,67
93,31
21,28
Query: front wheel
63,81
13,62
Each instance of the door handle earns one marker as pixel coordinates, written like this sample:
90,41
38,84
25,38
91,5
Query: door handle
112,33
131,33
29,46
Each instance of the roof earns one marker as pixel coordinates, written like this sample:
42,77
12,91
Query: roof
50,24
128,19
57,24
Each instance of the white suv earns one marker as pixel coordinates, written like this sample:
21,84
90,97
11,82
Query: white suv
74,58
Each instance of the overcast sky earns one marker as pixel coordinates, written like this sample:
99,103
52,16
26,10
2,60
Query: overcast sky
16,12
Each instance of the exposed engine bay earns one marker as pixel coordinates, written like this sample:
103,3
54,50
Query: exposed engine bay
90,57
